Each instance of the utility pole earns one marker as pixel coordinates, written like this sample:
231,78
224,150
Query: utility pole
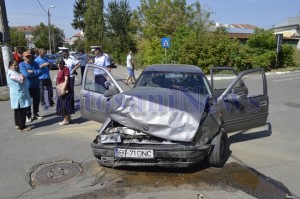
49,29
6,50
49,32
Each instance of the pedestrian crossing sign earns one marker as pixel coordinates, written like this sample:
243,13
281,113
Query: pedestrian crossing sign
165,42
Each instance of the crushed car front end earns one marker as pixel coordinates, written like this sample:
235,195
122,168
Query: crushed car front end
122,146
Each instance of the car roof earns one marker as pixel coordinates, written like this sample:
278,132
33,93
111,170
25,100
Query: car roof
174,68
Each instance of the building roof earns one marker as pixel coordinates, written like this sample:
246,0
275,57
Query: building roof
240,35
290,21
243,26
236,28
26,28
77,35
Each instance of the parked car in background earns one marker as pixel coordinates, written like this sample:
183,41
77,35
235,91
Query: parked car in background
52,59
174,116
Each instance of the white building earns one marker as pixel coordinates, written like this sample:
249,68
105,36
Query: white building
290,28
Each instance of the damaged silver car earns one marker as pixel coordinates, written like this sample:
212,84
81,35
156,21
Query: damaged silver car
174,116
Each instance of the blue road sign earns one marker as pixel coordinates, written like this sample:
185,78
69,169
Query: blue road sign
165,42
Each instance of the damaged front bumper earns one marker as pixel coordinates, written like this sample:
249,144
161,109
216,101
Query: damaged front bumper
147,154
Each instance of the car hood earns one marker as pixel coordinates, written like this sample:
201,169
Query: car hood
164,113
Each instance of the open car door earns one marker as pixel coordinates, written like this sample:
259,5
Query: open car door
244,104
98,86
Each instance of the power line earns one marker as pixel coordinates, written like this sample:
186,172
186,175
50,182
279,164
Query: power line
12,13
41,6
61,17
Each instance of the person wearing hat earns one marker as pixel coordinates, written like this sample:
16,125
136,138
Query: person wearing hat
31,71
73,64
101,60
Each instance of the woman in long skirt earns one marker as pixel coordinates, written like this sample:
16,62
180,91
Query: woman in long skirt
65,100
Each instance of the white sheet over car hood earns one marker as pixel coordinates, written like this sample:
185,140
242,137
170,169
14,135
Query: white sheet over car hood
164,113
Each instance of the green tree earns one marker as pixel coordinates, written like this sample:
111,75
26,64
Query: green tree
40,36
286,56
59,37
118,28
94,22
261,49
78,45
209,49
169,18
17,38
79,9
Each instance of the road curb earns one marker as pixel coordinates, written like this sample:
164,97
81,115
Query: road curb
283,72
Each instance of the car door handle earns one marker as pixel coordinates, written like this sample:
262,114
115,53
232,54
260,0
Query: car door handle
263,103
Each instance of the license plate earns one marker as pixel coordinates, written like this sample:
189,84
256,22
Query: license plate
134,153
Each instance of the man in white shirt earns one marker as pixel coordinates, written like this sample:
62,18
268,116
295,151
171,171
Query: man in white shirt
130,68
72,63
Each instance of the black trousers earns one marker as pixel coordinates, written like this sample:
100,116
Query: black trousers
20,117
35,95
46,84
100,79
71,92
82,68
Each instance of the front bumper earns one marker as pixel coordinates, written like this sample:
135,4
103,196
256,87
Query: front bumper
165,155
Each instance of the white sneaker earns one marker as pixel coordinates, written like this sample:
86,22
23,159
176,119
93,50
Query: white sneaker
37,117
28,119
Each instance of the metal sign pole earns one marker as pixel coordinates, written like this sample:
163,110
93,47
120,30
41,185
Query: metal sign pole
166,55
165,43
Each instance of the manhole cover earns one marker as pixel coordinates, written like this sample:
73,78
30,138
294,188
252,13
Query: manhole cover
55,172
293,105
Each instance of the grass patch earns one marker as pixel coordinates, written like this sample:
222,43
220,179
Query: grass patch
297,58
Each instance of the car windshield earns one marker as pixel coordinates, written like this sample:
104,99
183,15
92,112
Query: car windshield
193,82
48,56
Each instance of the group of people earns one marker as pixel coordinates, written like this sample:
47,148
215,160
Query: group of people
28,77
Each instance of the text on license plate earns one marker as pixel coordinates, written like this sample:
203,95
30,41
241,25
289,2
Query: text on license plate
134,153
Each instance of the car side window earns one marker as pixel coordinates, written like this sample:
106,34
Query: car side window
95,80
251,85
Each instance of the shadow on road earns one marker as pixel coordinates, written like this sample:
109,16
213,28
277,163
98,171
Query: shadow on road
245,135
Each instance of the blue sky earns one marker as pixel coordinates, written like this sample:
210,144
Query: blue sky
261,13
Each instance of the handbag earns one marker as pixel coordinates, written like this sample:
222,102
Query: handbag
59,89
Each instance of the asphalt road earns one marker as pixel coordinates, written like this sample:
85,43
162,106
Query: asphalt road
272,150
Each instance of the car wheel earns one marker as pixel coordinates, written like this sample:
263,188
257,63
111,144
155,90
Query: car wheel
218,155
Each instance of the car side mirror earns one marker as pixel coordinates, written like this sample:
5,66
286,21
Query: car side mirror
234,98
111,91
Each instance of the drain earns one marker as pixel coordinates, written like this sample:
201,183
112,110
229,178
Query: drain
293,105
55,172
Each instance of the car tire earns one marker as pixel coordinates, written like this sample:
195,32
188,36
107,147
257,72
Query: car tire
218,155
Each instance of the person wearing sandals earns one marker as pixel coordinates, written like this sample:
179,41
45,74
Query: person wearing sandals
64,105
20,98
